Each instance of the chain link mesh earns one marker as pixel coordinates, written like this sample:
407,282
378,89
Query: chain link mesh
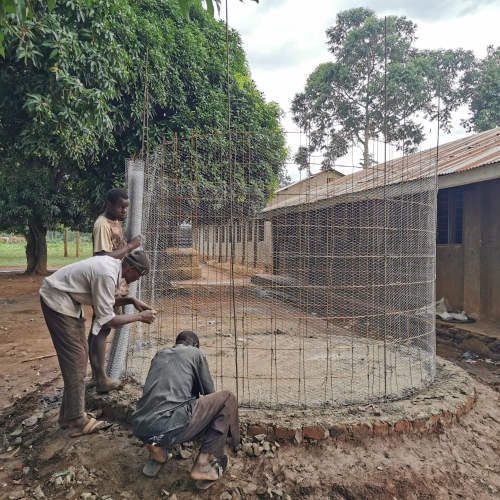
324,298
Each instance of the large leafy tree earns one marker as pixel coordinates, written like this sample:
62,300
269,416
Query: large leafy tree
73,104
26,9
377,85
482,92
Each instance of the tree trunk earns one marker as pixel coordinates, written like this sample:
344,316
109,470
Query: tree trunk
366,154
36,249
366,145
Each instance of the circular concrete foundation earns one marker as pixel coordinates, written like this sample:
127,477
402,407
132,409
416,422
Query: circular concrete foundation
440,404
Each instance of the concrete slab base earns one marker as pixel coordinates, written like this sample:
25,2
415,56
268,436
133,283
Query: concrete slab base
441,404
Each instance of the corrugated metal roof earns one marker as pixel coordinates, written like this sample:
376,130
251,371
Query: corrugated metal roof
457,156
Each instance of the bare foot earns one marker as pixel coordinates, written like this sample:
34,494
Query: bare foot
78,424
63,423
202,470
109,384
157,453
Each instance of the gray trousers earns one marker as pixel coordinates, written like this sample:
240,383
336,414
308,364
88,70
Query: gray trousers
70,341
215,417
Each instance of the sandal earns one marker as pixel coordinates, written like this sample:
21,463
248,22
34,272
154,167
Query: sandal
90,414
92,426
220,465
152,466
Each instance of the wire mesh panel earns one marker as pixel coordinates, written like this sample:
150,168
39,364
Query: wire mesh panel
323,295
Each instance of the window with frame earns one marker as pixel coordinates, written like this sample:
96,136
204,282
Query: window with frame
450,216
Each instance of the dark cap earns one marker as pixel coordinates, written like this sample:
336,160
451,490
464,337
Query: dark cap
139,260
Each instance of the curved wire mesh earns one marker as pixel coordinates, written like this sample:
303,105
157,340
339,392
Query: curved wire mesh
323,297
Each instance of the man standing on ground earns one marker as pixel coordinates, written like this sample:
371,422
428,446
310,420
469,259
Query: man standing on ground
109,239
179,405
90,282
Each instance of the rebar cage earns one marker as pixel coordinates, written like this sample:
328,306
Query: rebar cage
322,295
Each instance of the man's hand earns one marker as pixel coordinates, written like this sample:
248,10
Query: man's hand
147,316
135,243
141,306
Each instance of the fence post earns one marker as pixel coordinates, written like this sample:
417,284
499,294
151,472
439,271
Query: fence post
65,241
78,243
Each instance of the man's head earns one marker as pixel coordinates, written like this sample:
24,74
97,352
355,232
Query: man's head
188,337
117,203
134,265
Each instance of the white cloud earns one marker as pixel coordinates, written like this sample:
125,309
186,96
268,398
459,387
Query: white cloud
285,41
431,11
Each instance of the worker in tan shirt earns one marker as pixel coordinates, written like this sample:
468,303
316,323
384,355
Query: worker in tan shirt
109,239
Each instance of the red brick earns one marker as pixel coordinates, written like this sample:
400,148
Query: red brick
313,432
447,418
281,433
435,419
469,404
361,431
380,429
255,430
402,426
338,430
18,466
419,425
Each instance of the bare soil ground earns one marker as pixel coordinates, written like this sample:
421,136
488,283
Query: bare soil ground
460,462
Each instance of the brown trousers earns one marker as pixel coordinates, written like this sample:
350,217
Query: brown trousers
215,416
70,341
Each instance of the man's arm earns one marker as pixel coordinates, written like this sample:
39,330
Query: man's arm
124,319
139,305
103,298
119,253
204,377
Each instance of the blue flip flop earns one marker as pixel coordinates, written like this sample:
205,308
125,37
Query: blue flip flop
220,465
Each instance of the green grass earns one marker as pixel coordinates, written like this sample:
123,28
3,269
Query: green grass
14,254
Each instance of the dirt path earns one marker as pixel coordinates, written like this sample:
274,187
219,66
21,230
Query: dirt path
460,462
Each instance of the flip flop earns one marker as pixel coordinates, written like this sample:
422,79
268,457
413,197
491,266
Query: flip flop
92,426
220,465
152,466
90,414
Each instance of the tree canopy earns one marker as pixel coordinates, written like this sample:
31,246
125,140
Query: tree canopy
25,9
73,102
376,86
482,92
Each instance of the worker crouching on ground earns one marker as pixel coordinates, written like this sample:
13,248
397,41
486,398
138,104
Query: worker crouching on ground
90,282
179,405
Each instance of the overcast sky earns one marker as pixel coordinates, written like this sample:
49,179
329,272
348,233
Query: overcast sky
285,41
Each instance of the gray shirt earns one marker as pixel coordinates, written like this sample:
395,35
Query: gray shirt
177,376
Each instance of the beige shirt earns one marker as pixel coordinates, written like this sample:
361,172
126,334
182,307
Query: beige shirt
89,282
107,236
